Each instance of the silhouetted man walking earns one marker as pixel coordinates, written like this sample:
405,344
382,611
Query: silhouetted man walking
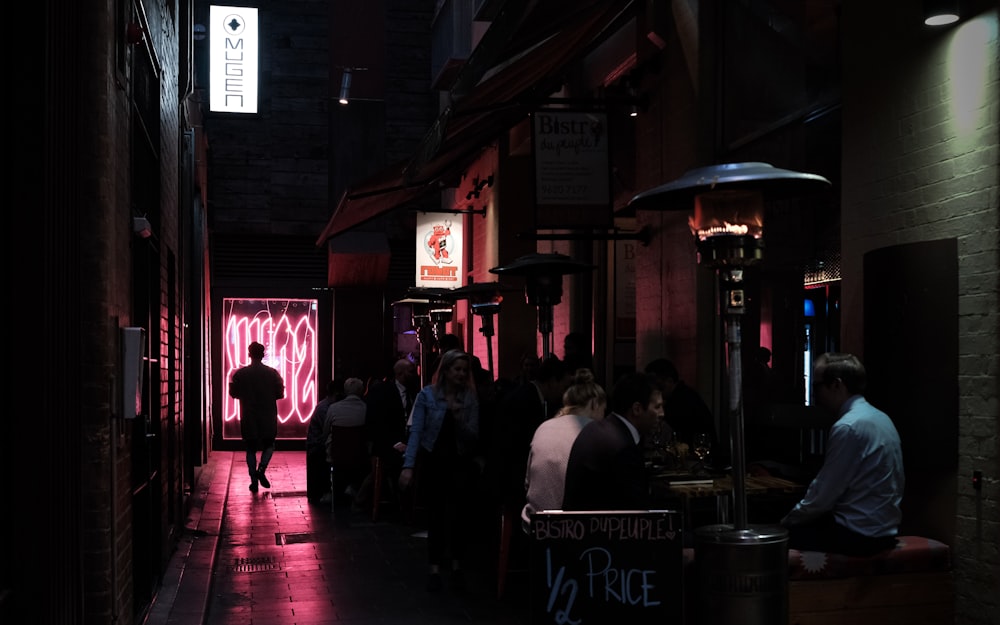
258,388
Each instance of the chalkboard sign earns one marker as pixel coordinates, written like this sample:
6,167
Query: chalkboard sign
601,567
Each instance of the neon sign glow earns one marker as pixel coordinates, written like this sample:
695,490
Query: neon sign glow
287,329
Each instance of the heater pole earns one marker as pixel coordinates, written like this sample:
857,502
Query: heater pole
731,284
545,328
425,337
487,330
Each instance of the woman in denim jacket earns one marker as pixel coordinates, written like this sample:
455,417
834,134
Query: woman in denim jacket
444,435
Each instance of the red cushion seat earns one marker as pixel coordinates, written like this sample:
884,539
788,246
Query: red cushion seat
912,554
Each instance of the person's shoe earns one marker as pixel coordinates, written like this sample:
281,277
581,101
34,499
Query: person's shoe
253,486
434,583
458,582
263,479
326,498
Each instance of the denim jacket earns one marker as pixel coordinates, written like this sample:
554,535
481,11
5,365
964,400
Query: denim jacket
429,409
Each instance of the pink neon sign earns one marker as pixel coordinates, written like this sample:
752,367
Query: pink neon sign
287,329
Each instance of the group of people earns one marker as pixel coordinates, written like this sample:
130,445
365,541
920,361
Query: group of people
353,425
550,442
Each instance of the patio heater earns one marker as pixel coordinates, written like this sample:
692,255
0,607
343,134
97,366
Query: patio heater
726,203
543,285
485,303
484,300
437,310
420,319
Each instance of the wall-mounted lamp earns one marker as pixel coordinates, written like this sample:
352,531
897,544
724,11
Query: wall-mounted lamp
141,227
345,85
940,12
478,186
633,106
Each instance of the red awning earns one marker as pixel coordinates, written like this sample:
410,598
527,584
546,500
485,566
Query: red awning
359,260
551,36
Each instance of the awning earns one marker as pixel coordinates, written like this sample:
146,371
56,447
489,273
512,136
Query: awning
359,260
531,48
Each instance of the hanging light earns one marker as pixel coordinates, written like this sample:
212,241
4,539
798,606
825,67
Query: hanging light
345,86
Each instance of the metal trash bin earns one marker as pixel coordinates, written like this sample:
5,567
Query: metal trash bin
742,575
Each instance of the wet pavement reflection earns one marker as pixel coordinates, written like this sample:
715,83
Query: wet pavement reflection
279,559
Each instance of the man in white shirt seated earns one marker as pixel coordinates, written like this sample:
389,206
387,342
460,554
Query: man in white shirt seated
852,505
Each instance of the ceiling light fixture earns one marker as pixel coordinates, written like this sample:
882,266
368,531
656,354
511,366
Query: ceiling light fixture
940,12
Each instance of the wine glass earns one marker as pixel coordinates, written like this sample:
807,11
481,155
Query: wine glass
702,447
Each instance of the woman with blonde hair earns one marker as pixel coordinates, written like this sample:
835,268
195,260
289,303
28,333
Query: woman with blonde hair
443,441
545,478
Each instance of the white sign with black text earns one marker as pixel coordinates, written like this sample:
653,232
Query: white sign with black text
233,39
571,158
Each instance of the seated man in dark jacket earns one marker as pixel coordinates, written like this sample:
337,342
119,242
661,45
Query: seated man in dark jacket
684,410
389,403
606,469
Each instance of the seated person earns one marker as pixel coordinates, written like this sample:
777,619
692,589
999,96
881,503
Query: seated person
583,402
606,468
684,410
344,433
317,470
852,505
388,407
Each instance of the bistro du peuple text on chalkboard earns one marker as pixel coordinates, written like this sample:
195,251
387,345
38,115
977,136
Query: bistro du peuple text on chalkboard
589,567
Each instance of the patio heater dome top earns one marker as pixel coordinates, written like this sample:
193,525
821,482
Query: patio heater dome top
411,300
475,291
772,182
478,290
537,264
431,293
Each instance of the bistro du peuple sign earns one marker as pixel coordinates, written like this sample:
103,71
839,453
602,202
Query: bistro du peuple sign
605,567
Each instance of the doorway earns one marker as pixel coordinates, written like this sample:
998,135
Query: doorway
911,356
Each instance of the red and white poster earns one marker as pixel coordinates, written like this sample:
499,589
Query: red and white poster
439,250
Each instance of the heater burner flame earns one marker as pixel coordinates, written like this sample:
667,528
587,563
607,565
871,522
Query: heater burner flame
726,229
727,213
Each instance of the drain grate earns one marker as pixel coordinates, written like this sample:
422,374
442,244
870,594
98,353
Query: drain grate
255,564
283,538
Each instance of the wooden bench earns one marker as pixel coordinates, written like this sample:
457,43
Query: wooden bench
911,584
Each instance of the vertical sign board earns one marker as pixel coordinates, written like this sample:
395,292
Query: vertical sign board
233,40
625,304
606,567
572,169
439,251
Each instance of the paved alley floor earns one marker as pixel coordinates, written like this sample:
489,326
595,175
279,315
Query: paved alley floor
272,558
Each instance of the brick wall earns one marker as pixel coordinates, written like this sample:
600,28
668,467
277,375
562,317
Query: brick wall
108,201
921,164
269,171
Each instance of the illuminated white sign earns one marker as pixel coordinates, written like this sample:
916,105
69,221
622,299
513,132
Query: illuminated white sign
439,250
233,39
